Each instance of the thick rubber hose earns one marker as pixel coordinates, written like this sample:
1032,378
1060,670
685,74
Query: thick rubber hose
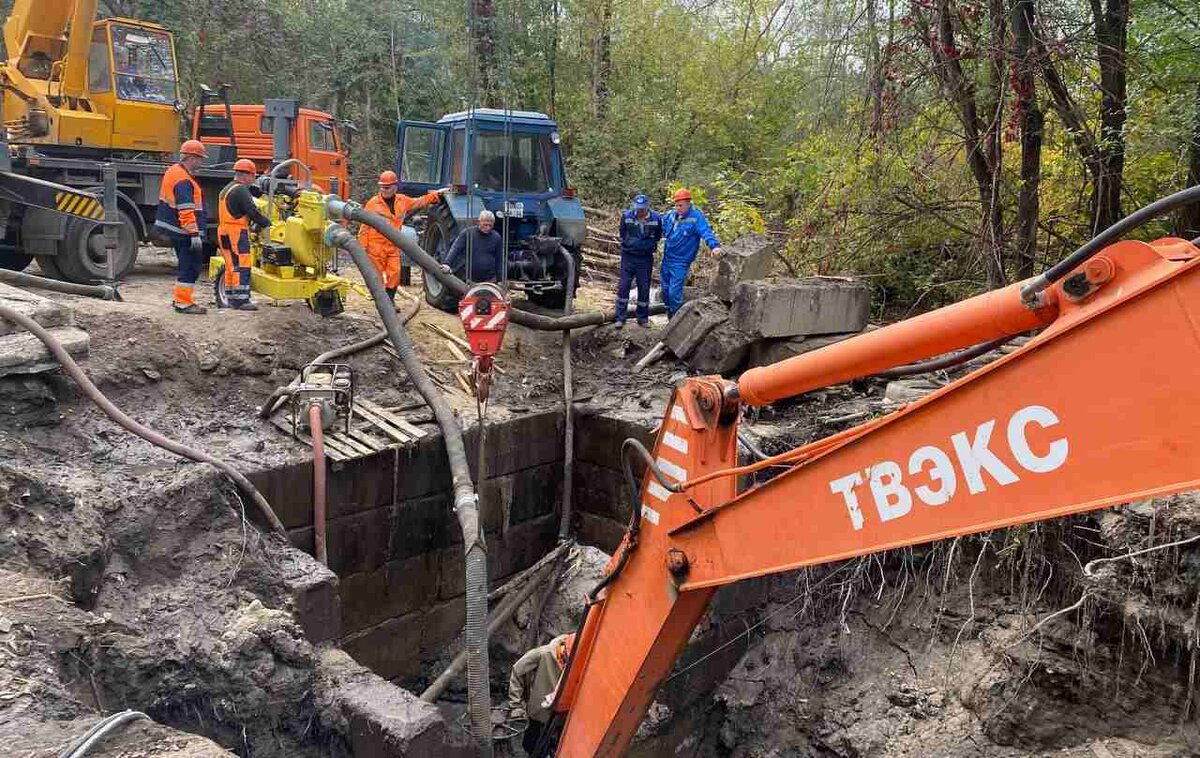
564,524
81,746
950,360
116,414
338,208
19,279
466,505
317,432
1110,235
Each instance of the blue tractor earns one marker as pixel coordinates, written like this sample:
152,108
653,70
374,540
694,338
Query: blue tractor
510,163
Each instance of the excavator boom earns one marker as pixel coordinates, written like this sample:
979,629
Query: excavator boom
1091,412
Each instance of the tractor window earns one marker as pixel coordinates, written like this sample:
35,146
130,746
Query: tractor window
145,64
527,163
99,70
422,162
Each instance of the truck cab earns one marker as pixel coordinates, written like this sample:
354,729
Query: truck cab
249,131
511,163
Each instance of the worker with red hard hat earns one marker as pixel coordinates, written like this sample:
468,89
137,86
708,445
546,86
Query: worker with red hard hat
393,206
180,218
683,230
236,212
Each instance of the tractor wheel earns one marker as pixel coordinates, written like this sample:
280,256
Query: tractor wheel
437,294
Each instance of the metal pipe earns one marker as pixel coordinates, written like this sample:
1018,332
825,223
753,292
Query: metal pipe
564,524
317,432
111,221
340,209
496,619
20,279
466,504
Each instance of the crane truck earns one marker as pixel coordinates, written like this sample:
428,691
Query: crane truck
80,93
1093,411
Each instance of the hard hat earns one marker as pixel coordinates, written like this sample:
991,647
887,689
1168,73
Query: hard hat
641,203
245,165
193,147
387,178
682,195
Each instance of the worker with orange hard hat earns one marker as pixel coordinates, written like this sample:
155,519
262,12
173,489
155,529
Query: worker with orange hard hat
236,212
393,206
534,683
683,230
180,218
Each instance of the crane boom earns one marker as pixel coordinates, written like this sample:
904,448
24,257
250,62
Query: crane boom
1091,412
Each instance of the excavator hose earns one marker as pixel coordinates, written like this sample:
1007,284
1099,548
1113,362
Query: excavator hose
950,360
338,208
19,279
1110,235
466,504
116,414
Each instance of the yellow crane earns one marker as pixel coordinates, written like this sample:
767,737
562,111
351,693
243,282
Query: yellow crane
74,82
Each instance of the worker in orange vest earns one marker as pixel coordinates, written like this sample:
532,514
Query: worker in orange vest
180,218
236,212
390,204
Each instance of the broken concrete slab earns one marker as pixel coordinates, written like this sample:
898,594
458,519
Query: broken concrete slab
723,350
749,258
41,309
692,322
24,353
800,307
766,352
907,390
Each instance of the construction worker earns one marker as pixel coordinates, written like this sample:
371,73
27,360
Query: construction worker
533,684
641,229
486,249
236,211
682,232
180,218
390,204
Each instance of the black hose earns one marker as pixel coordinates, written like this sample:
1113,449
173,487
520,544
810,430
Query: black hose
20,279
116,414
338,208
755,450
88,740
1110,235
466,506
949,360
564,525
635,490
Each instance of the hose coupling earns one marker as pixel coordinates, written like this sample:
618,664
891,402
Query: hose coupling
336,207
337,235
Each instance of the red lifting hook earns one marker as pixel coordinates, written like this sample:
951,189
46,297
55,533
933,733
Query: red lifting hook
484,313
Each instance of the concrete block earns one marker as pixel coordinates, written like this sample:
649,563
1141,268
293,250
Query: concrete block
423,525
315,597
400,587
360,485
440,627
359,542
749,258
24,353
598,438
600,532
723,350
289,491
391,649
693,321
43,310
531,493
800,307
766,352
379,720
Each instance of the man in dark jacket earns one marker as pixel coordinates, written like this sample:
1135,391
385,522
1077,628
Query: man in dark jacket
641,229
483,245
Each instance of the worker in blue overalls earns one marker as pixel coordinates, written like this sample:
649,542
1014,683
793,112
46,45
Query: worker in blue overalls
641,229
682,232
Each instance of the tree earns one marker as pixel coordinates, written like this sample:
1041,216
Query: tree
1029,121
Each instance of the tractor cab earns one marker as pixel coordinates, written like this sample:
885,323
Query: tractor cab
508,162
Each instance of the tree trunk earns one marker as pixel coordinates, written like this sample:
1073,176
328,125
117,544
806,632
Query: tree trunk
602,62
484,39
1189,220
552,57
1112,25
1030,122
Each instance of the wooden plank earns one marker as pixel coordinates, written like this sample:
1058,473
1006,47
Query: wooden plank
448,335
391,431
370,440
456,352
345,441
393,419
334,451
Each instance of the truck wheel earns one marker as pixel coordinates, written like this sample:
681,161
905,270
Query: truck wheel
49,266
15,261
558,298
82,257
436,293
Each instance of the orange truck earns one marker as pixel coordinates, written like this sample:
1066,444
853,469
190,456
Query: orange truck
274,131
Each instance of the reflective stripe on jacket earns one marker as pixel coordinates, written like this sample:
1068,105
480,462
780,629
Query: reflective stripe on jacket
375,243
180,203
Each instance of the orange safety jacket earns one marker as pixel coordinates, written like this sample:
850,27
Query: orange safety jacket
378,246
180,204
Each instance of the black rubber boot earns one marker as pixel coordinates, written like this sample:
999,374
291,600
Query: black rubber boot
391,293
406,276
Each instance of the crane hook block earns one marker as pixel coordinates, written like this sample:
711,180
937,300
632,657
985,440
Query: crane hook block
484,312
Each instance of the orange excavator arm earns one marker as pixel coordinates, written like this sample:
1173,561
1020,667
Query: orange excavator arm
1093,411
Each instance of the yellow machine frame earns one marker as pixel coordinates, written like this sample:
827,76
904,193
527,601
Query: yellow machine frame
297,224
